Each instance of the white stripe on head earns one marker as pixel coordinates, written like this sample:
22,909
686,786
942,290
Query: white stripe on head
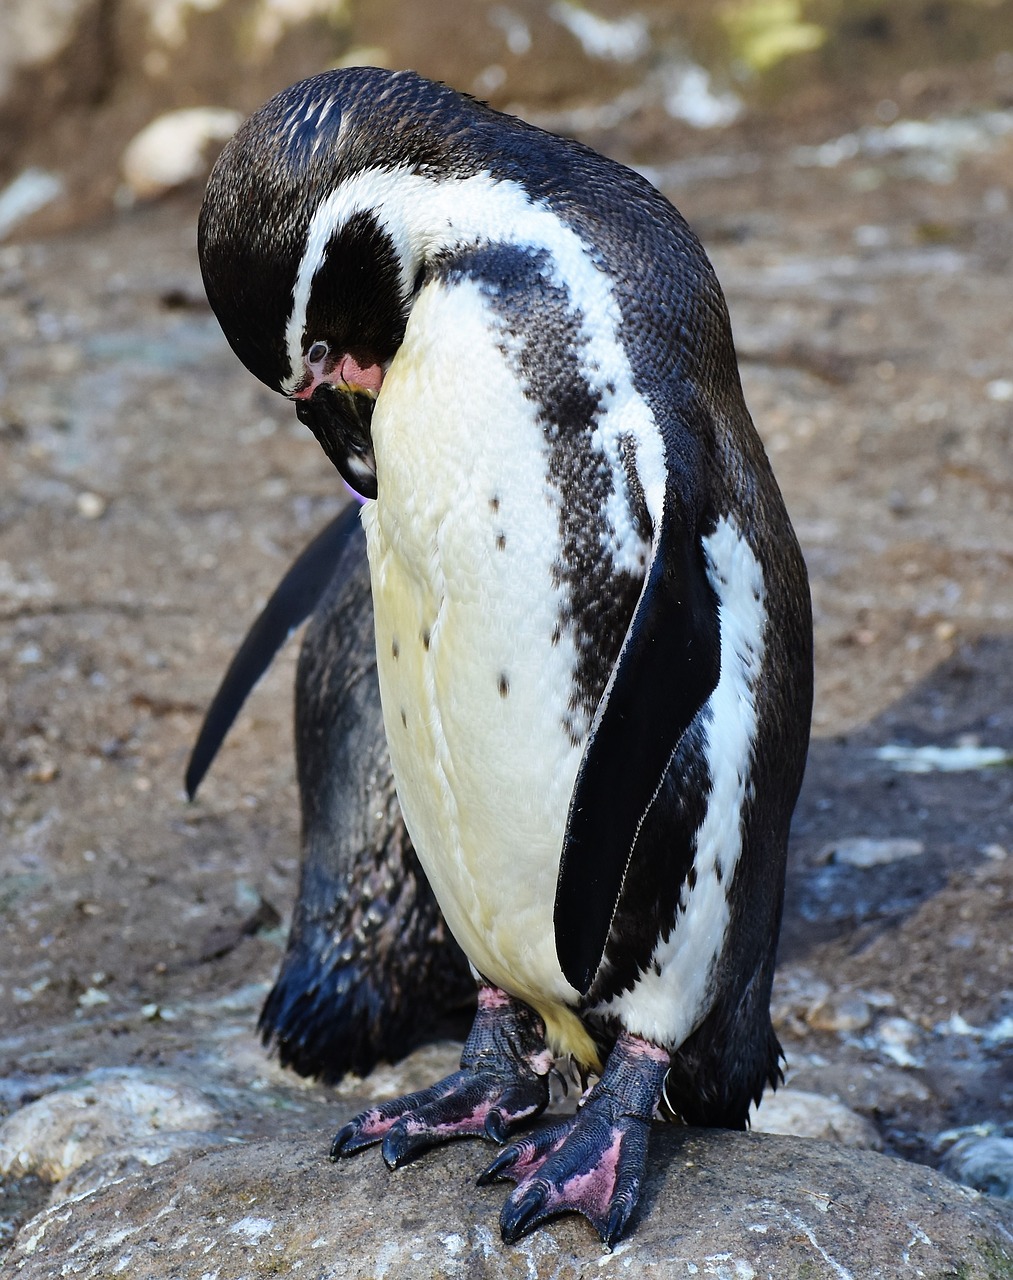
374,191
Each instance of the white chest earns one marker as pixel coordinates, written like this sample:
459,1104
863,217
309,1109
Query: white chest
475,668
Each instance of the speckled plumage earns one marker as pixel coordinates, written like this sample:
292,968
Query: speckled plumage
592,618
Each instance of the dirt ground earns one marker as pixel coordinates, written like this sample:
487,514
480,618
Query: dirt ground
153,494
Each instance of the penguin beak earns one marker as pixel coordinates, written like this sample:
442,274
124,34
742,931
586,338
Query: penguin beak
339,416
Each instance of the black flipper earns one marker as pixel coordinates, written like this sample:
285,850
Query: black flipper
292,602
667,669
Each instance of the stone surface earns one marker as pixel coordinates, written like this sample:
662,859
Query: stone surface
64,1130
134,1156
862,852
813,1115
715,1204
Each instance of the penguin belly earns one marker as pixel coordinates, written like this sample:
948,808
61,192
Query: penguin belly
475,669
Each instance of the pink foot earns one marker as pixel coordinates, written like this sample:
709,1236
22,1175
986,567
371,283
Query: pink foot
594,1163
503,1081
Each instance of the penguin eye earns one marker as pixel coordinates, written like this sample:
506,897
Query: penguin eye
318,352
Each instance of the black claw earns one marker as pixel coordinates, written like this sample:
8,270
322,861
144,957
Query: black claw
498,1169
592,1164
616,1224
519,1216
496,1127
399,1146
502,1082
393,1152
344,1142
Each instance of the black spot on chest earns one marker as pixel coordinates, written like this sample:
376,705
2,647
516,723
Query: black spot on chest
542,337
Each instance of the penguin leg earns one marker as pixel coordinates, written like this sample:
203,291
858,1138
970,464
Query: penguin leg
591,1163
503,1081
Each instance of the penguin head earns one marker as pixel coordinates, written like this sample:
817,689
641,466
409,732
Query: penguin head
311,283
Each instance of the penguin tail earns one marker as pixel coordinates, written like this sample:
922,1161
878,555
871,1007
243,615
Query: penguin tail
331,1015
292,602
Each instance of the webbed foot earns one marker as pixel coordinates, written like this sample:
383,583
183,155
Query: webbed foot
503,1081
591,1163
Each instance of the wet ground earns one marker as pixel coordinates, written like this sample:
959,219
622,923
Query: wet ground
153,494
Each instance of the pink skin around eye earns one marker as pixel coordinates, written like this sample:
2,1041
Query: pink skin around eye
347,371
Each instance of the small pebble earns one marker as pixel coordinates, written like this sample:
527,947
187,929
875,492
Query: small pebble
959,759
897,1037
93,996
860,851
91,505
849,1013
174,149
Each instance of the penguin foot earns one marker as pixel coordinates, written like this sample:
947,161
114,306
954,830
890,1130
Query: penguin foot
591,1163
503,1081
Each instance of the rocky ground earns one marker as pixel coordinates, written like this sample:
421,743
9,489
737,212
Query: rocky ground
153,494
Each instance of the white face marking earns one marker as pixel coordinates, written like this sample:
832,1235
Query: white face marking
375,191
665,1007
423,217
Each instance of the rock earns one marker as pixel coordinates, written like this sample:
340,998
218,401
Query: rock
29,192
132,1157
842,1013
862,851
79,78
814,1115
715,1204
177,148
107,1110
91,506
958,759
898,1038
985,1163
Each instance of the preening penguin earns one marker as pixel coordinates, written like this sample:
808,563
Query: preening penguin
592,620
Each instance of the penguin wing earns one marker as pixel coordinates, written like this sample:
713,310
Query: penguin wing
667,669
291,603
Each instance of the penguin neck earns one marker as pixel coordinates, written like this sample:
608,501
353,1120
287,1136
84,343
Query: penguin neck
427,218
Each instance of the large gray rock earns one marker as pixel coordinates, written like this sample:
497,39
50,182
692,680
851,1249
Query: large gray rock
57,1134
735,1206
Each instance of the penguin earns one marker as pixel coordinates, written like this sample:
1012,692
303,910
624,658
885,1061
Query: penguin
370,969
592,619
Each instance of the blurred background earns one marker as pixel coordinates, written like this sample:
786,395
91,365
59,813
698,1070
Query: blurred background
848,165
81,79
